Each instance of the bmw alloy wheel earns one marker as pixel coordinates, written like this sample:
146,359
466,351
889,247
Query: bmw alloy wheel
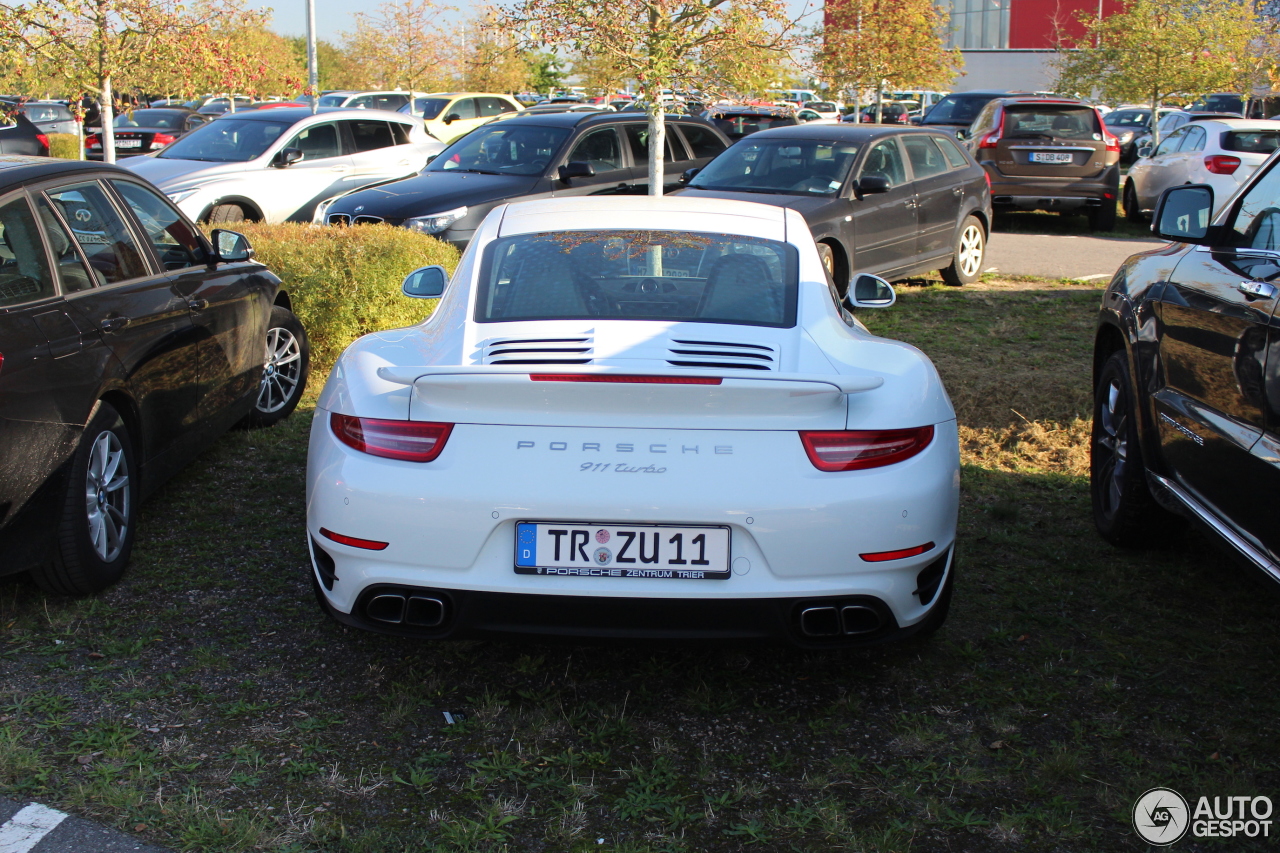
281,372
106,496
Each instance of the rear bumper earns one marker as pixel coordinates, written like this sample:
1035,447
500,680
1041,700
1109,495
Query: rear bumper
1047,193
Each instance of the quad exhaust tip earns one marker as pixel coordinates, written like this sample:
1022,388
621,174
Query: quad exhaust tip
831,621
420,611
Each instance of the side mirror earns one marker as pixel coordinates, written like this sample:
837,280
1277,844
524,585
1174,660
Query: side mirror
230,247
1183,214
873,184
576,169
870,291
286,157
688,175
451,118
425,283
1144,150
962,134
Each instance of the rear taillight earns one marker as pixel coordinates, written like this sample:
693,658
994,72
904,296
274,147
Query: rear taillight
854,450
44,141
161,139
1113,144
92,141
1222,164
990,140
407,441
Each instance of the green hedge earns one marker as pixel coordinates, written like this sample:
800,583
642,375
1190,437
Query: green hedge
64,145
345,282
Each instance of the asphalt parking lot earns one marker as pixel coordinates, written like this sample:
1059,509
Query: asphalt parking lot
1081,256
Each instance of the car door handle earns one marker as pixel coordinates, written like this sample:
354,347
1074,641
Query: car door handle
197,304
1258,289
114,324
340,169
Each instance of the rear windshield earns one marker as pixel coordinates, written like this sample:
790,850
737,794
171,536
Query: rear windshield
780,166
738,125
957,109
1052,122
332,100
1251,141
427,108
676,276
151,118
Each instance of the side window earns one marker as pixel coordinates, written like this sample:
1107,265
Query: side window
317,142
701,141
638,134
400,132
951,151
24,268
1257,217
1170,143
370,135
106,242
885,161
463,109
1194,139
69,266
983,120
493,107
600,148
174,241
926,159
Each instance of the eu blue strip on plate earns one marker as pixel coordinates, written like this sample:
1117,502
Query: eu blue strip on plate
526,544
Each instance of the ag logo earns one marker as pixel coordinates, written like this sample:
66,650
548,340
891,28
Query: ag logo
1161,817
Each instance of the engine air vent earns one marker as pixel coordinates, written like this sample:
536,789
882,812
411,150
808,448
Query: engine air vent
721,354
537,351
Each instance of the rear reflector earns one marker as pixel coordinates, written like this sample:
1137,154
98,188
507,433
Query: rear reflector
1222,164
881,556
855,450
619,377
367,544
407,441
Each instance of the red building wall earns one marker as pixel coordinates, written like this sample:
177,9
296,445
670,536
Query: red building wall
1040,23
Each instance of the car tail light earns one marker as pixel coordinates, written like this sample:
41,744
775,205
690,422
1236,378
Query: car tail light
44,141
407,441
92,140
367,544
855,450
1222,164
881,556
161,139
990,139
1,361
628,378
1113,144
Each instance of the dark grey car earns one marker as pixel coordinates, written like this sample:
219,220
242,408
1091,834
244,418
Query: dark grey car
50,117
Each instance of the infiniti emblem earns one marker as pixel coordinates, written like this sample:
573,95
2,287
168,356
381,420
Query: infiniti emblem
83,215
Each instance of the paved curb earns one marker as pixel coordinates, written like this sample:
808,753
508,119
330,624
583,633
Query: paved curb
27,827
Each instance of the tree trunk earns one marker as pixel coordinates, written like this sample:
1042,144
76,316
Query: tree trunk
1155,122
107,114
657,140
80,136
879,105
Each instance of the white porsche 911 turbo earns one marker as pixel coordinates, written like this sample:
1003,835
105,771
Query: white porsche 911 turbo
636,418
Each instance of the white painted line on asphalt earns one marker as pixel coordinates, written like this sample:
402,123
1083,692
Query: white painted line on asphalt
991,269
25,829
1092,277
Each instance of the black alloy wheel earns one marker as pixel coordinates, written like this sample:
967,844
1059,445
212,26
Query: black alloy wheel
284,373
1123,510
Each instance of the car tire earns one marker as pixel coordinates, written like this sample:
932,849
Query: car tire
1131,210
1124,511
967,254
828,257
226,214
99,509
285,371
1103,217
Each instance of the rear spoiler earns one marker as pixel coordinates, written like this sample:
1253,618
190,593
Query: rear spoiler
843,384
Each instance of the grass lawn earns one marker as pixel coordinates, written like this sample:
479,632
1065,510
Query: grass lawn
206,704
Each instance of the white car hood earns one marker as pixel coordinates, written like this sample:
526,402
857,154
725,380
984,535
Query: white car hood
169,174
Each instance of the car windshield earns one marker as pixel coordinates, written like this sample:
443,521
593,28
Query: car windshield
676,276
333,100
1251,141
780,166
227,140
957,109
1051,121
1223,104
502,150
150,118
1128,118
425,108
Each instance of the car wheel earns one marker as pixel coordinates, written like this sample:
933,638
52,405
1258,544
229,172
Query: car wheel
1123,509
96,530
970,249
1131,210
284,374
828,258
225,214
1103,217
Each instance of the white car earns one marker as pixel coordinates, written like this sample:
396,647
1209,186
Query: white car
276,165
825,109
636,417
1222,153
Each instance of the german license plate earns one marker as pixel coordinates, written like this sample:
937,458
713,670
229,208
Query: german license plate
128,143
579,549
1050,157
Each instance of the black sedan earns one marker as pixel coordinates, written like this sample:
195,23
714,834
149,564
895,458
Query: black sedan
888,201
141,132
19,135
527,157
127,343
1186,416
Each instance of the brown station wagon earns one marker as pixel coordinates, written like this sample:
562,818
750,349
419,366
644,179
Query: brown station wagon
1048,154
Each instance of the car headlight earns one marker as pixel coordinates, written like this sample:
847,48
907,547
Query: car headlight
1126,137
322,210
181,195
436,222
